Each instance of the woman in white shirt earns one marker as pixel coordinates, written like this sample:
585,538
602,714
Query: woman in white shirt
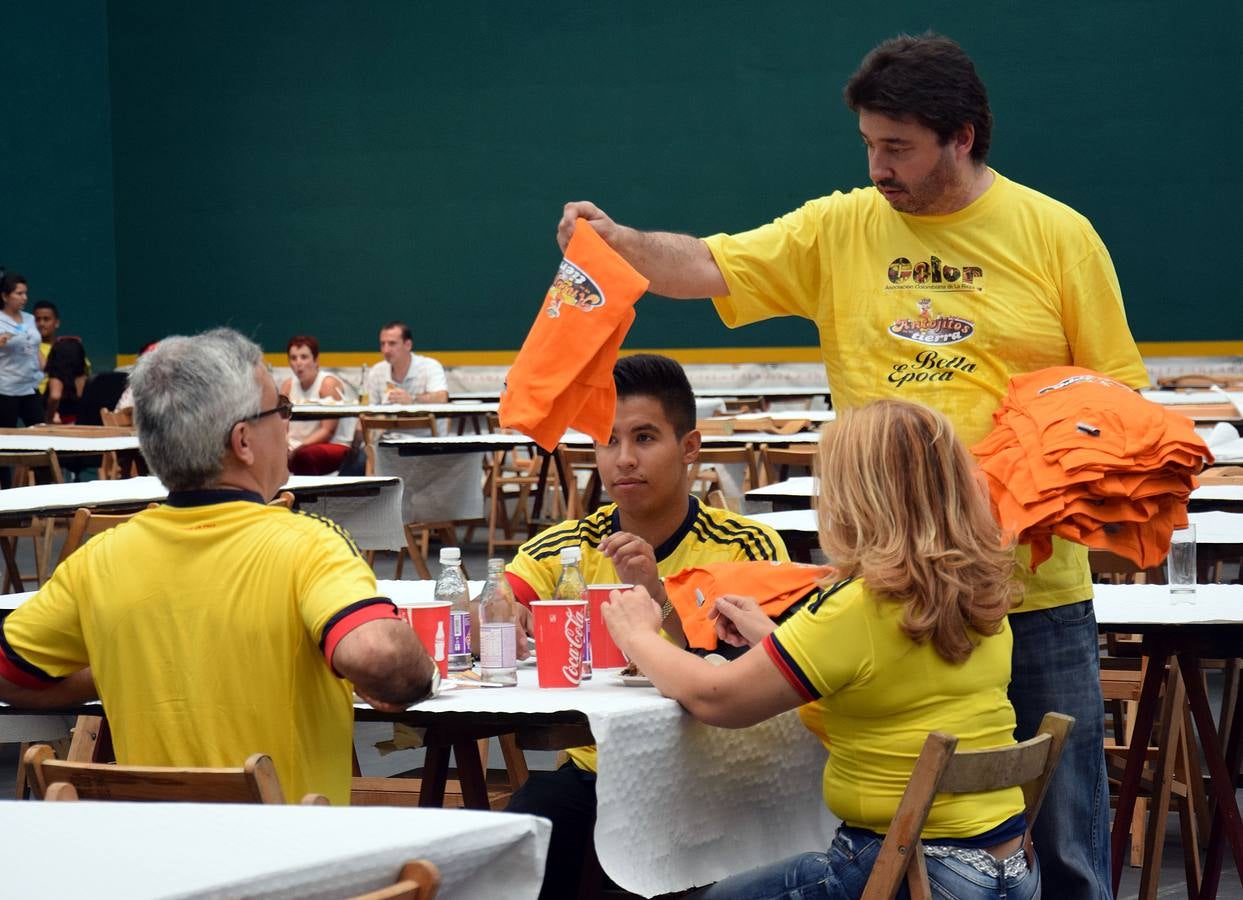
21,369
315,447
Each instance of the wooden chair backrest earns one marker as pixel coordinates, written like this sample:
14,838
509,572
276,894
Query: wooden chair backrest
582,500
417,880
371,425
776,462
120,418
722,456
284,498
85,523
254,782
940,769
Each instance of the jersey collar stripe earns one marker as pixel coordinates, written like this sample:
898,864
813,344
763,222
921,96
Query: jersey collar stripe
208,496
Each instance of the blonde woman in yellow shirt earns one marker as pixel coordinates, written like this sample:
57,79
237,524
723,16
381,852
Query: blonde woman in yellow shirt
911,637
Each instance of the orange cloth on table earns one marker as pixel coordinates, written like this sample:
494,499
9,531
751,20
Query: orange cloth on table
1085,457
774,585
563,376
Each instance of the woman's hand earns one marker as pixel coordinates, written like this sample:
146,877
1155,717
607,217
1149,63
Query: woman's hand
629,615
739,621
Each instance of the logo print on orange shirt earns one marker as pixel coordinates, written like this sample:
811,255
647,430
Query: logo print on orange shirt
926,328
575,287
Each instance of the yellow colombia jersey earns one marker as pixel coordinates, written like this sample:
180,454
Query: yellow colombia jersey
706,535
207,623
941,310
878,695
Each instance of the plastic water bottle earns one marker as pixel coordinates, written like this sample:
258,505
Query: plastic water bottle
498,637
451,586
362,387
570,586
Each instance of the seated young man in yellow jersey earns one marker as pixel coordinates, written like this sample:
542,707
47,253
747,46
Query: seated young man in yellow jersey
653,528
216,626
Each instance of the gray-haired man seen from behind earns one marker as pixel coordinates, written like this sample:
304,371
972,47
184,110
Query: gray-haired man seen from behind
216,626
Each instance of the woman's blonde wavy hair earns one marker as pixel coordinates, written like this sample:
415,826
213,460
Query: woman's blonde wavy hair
903,506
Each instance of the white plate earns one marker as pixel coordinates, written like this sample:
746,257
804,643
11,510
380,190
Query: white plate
635,680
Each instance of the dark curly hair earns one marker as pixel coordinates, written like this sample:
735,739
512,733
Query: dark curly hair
928,78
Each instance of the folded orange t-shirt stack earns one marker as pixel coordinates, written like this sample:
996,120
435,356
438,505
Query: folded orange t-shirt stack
776,586
1082,456
563,376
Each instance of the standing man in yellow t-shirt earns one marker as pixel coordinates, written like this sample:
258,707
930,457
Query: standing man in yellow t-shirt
937,284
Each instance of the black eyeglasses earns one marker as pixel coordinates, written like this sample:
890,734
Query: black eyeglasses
283,408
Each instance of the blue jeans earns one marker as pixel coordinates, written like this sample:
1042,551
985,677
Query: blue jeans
842,873
1056,668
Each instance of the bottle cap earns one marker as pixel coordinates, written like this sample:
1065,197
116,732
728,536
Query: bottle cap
450,555
570,555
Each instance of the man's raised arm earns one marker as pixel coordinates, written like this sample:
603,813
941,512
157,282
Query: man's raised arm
679,266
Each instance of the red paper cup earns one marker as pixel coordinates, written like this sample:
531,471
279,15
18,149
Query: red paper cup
430,621
604,653
559,629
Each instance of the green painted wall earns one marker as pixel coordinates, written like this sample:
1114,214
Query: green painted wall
324,166
56,224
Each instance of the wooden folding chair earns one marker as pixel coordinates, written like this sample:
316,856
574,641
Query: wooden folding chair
284,498
776,463
254,782
86,523
704,477
417,533
111,466
942,770
418,880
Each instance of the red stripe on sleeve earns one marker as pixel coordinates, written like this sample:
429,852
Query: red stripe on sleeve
345,625
783,666
523,592
10,672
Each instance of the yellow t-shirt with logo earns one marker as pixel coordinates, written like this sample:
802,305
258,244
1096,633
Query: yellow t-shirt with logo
206,627
706,535
941,310
876,695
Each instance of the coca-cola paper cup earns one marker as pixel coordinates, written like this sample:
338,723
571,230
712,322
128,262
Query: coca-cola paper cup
560,626
430,621
604,653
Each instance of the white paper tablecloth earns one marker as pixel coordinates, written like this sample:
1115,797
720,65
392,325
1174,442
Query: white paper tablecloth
374,521
680,803
347,410
1131,603
789,520
25,443
800,487
1217,527
1228,492
1186,398
147,850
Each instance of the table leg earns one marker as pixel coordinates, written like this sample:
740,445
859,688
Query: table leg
471,776
1226,821
1129,788
10,562
1162,783
542,486
435,774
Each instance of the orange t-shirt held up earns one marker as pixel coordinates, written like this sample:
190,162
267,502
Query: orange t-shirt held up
563,376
